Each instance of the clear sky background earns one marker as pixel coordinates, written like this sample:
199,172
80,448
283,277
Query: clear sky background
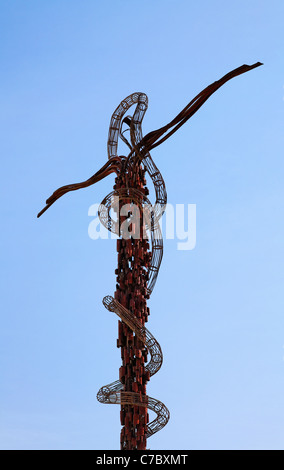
217,310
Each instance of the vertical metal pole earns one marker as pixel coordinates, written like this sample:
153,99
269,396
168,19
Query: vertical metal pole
131,292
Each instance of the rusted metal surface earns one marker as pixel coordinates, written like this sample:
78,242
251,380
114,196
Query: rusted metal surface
139,257
130,304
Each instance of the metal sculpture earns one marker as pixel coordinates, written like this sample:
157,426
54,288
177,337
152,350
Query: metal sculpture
138,265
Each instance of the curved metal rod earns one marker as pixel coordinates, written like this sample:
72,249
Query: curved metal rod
108,168
151,141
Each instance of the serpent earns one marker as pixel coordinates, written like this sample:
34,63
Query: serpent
114,393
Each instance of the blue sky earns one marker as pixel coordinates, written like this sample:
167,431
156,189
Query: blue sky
217,310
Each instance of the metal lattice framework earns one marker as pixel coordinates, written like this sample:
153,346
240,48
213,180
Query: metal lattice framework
138,264
113,393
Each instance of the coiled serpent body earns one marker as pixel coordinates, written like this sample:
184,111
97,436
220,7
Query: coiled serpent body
114,393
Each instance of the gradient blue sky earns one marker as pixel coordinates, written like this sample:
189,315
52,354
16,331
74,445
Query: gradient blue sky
217,311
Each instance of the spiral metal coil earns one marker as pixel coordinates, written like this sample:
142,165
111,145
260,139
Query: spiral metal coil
113,393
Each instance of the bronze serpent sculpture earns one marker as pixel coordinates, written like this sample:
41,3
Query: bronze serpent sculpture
138,264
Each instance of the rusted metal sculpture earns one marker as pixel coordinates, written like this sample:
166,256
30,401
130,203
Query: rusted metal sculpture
138,264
